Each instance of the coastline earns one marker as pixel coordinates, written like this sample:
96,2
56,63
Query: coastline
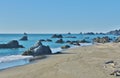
79,62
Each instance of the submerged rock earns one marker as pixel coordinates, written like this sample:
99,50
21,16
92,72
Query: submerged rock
11,44
38,49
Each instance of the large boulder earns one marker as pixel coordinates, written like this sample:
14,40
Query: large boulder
24,38
11,44
60,41
57,36
38,49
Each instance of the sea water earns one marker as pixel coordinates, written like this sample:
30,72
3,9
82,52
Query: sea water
13,57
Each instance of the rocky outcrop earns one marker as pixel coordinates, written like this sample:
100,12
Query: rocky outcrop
77,43
24,38
65,47
102,40
114,32
60,41
38,49
11,44
57,36
117,40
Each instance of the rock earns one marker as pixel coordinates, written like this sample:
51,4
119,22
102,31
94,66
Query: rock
11,44
84,41
57,36
41,50
74,43
60,41
24,38
108,62
38,49
117,40
42,40
68,41
49,40
65,47
77,44
102,40
69,33
116,73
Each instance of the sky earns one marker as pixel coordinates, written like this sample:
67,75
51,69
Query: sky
59,16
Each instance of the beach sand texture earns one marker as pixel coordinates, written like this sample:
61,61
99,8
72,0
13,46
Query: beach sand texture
81,62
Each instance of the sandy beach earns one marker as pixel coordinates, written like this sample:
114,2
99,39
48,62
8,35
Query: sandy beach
80,62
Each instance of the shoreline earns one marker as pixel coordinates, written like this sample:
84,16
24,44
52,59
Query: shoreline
88,59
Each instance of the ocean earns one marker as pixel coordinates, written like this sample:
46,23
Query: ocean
13,57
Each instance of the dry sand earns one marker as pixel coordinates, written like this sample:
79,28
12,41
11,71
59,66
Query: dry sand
81,62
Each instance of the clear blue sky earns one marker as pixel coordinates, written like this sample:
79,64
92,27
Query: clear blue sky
59,16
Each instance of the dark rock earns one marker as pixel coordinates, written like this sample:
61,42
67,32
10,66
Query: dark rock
24,38
69,33
60,41
57,36
42,40
65,47
75,43
108,62
89,33
38,49
49,40
11,44
68,41
116,73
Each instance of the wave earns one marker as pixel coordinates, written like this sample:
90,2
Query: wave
13,60
54,50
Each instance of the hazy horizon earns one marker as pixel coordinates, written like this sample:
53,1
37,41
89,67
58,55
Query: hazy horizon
59,16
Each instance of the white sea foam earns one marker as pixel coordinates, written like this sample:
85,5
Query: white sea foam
54,50
13,58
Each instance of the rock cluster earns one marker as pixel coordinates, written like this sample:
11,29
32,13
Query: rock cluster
102,40
57,36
